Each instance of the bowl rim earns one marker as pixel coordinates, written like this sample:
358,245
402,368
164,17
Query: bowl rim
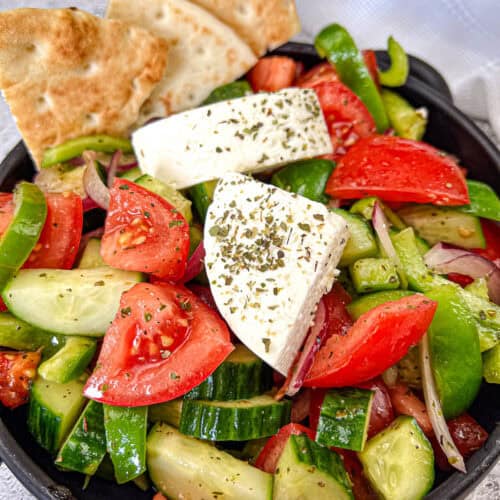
431,86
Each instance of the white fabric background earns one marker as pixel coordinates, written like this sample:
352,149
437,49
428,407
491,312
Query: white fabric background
461,38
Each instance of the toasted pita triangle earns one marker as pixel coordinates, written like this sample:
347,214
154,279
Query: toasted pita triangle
66,73
204,54
263,24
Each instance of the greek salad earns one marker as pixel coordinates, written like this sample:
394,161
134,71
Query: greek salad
292,296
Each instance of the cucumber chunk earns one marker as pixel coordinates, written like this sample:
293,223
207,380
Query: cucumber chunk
85,447
169,412
344,418
69,362
373,275
491,365
91,256
53,411
365,207
435,224
361,242
399,461
183,467
238,420
131,175
368,302
76,302
242,375
202,195
126,430
307,470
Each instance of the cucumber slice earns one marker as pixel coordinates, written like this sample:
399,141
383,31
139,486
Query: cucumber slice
183,467
69,362
21,336
479,288
372,275
169,412
76,302
91,256
409,369
239,420
85,447
131,175
242,375
399,461
60,179
364,207
307,470
202,195
126,430
484,202
435,224
368,302
344,418
361,242
174,197
53,411
491,365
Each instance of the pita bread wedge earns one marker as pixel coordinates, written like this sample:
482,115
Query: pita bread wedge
263,24
66,73
204,53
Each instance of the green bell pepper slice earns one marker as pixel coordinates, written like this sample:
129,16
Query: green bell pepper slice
75,147
406,121
454,349
366,303
232,90
397,73
337,45
307,178
484,202
202,195
22,234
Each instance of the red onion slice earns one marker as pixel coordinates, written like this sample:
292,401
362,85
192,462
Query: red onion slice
113,167
89,204
195,263
94,187
443,259
435,411
381,226
127,166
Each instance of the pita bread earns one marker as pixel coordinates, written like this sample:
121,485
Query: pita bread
263,24
204,54
66,73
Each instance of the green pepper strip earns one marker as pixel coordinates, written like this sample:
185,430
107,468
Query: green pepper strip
397,73
75,147
484,201
406,121
202,195
335,43
307,178
232,90
18,241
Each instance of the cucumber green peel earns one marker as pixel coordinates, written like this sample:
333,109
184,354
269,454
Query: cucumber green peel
75,147
397,73
18,241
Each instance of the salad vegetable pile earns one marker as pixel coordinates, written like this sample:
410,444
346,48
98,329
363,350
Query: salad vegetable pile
203,339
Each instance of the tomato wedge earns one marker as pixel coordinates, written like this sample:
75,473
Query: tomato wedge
58,244
272,73
396,169
17,370
163,342
338,321
382,413
491,232
371,63
377,340
347,118
269,456
143,232
320,73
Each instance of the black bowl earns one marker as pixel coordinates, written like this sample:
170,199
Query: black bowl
448,129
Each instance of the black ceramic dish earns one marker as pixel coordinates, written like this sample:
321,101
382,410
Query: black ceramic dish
448,129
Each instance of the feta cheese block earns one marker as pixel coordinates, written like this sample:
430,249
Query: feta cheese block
270,256
249,134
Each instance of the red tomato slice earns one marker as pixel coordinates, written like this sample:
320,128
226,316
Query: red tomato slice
491,232
381,414
17,370
360,485
6,210
371,63
58,244
317,397
320,73
272,73
396,169
269,456
377,340
143,232
338,321
163,342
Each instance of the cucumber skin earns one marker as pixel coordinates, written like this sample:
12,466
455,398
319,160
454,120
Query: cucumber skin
373,275
491,365
313,458
126,430
91,257
218,423
85,447
344,418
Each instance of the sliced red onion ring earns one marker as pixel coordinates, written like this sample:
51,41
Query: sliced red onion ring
312,344
113,167
195,263
435,411
127,166
94,187
381,226
77,162
89,204
444,259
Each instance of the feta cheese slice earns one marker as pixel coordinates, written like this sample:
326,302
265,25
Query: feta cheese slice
249,134
270,256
